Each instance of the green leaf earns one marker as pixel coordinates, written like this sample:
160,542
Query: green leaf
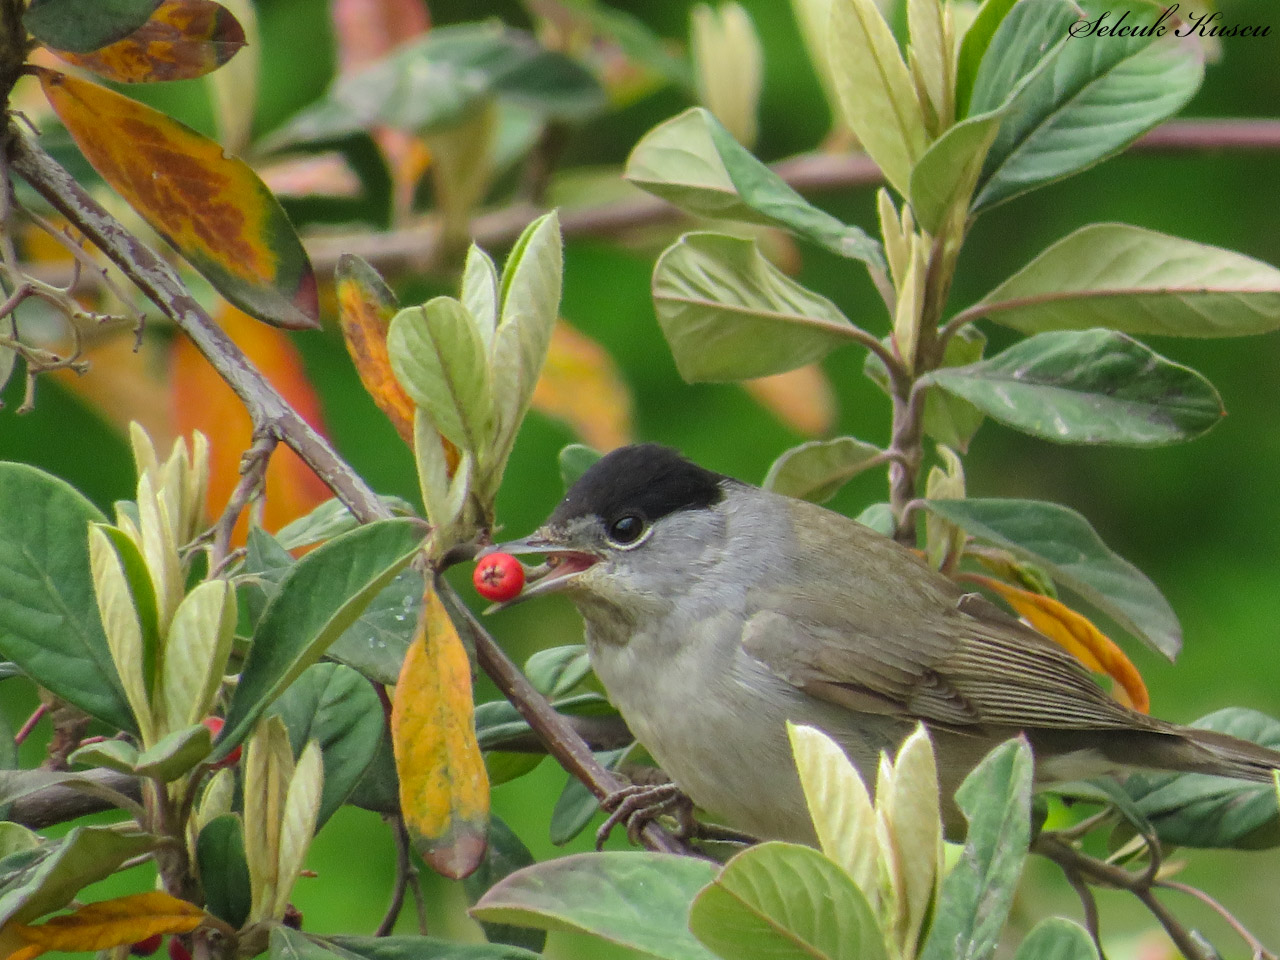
950,420
438,357
1101,95
439,80
224,871
1093,386
504,855
693,162
944,177
112,754
637,900
175,754
49,623
51,880
1139,282
576,805
1055,938
320,596
1198,810
266,562
340,710
1063,542
575,460
81,26
379,788
376,643
424,948
816,470
141,596
782,901
332,517
196,652
877,96
974,45
1026,40
729,314
557,670
879,517
977,894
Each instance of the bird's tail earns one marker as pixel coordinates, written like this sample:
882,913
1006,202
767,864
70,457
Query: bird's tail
1208,751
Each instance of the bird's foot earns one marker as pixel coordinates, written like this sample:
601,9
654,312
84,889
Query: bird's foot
638,803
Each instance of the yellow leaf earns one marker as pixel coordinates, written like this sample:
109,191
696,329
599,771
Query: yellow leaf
1078,636
444,789
801,398
268,769
112,923
581,386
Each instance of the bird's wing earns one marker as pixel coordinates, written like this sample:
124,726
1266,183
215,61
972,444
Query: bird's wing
899,638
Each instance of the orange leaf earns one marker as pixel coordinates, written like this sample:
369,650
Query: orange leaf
112,923
581,385
182,40
802,399
210,206
202,401
444,789
365,308
1078,636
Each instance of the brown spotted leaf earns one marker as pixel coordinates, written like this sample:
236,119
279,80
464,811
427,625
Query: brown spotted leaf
182,40
113,923
444,789
210,206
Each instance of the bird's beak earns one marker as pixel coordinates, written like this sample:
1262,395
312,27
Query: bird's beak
563,563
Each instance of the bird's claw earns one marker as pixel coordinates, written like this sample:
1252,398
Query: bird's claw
637,804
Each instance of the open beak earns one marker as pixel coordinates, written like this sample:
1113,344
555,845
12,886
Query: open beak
562,564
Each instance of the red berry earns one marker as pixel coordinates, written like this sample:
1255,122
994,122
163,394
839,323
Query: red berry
498,576
147,946
177,951
215,725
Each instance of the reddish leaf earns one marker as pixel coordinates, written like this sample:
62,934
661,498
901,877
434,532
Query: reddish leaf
210,206
183,39
365,308
366,29
444,789
581,386
1077,635
802,399
113,923
202,401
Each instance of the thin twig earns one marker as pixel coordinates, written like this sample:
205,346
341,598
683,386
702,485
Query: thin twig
25,730
253,474
1087,868
404,866
1089,904
1260,952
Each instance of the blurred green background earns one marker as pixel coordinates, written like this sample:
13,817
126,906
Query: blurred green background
1203,520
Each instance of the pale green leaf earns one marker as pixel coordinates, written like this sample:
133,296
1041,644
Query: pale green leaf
876,94
121,624
782,901
268,770
728,314
839,806
480,293
1139,282
931,61
638,900
298,823
1055,938
112,754
438,356
916,827
728,61
196,652
943,179
817,469
175,753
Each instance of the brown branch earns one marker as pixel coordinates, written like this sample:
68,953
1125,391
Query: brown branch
419,247
58,804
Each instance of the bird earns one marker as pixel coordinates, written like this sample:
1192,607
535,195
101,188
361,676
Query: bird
716,612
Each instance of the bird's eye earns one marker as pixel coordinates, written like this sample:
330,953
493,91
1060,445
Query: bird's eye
626,529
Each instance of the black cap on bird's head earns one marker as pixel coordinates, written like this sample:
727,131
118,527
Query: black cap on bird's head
613,506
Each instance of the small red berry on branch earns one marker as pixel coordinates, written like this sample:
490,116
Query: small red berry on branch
215,725
498,577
